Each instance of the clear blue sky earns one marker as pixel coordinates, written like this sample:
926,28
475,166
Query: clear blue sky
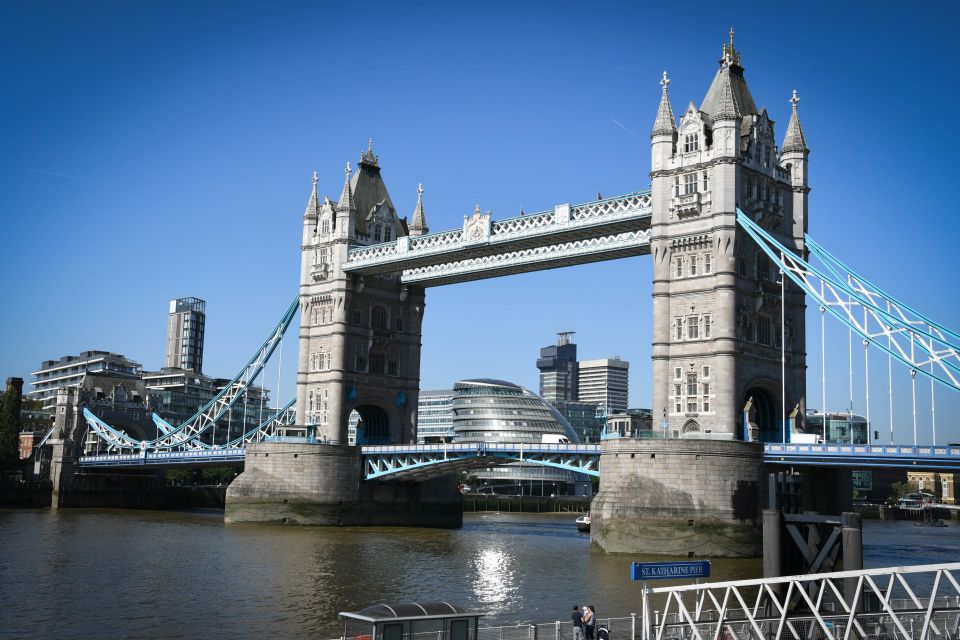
154,150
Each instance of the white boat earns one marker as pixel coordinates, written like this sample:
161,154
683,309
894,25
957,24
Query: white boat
583,523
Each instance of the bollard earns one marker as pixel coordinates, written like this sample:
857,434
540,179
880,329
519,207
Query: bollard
633,626
772,526
556,626
851,534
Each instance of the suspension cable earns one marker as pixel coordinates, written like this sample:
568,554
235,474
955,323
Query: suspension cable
913,389
866,379
933,408
890,373
823,363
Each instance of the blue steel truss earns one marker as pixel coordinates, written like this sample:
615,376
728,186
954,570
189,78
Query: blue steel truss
421,462
864,456
187,435
923,345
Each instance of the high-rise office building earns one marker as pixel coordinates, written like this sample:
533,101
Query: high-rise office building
185,328
605,383
558,370
435,416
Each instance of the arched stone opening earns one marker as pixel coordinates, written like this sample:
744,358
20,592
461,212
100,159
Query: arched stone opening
763,414
373,426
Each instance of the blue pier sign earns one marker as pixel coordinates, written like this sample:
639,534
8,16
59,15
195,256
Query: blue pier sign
669,570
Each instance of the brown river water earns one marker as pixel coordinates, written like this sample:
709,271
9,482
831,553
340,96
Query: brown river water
149,574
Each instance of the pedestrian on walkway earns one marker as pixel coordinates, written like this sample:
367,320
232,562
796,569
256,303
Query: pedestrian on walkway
577,623
589,621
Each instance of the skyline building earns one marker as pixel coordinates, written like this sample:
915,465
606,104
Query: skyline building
605,383
559,370
69,371
185,329
435,416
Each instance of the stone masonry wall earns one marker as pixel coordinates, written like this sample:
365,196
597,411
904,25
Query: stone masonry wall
679,497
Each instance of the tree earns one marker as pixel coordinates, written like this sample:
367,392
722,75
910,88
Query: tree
10,424
900,489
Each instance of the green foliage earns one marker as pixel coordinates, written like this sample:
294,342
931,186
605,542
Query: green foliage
9,427
218,475
178,476
900,489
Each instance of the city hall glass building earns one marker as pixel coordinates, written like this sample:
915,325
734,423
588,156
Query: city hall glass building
487,410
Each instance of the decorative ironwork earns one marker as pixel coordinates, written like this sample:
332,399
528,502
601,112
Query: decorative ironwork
898,602
594,245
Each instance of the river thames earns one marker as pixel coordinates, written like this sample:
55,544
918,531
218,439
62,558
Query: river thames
148,574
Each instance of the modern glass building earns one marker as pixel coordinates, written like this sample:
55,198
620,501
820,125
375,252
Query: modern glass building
558,370
185,327
435,416
487,410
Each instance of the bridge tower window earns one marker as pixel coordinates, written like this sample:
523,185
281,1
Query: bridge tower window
706,181
693,328
377,363
689,183
386,233
693,265
325,226
707,263
679,328
691,142
376,232
378,317
707,328
679,266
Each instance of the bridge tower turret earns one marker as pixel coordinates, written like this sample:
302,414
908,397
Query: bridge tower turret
717,334
359,336
717,311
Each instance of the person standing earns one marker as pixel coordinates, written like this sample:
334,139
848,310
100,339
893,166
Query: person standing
577,623
589,621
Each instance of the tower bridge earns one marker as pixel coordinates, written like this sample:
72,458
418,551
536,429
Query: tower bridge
725,222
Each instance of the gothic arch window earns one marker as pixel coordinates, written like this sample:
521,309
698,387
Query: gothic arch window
386,233
691,426
378,317
376,233
325,226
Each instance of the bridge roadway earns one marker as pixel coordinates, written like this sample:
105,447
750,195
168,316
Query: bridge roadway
425,461
567,235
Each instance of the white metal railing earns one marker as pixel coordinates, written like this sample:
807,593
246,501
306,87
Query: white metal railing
898,602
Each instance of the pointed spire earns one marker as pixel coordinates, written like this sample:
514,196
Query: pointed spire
727,107
794,140
367,156
730,55
418,226
346,196
665,124
313,204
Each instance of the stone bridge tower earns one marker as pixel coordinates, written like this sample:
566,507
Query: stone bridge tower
717,329
359,336
359,350
716,297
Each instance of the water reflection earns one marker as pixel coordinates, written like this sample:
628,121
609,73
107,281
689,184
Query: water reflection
96,574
